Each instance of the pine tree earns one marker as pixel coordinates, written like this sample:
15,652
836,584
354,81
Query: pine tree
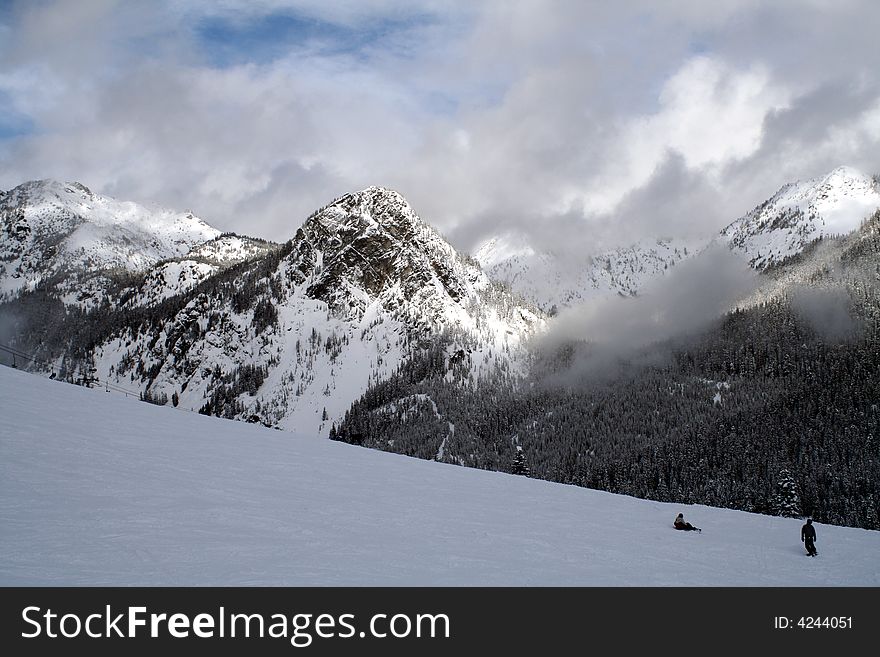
786,501
520,467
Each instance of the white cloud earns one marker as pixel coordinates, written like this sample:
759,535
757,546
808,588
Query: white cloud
709,114
865,131
487,116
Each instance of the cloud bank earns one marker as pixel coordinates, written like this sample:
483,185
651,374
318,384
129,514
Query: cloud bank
586,123
609,332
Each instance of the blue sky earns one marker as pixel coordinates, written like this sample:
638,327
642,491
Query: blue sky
559,119
12,122
260,39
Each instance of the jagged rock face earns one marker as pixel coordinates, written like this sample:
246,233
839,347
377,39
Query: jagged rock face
800,213
372,245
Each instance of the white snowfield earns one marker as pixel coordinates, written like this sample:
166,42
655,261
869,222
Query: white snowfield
99,489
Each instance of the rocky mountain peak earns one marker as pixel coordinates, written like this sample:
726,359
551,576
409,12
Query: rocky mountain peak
369,211
373,240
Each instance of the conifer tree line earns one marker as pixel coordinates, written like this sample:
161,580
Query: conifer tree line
795,432
764,412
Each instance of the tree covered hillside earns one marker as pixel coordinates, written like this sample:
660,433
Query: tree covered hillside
774,409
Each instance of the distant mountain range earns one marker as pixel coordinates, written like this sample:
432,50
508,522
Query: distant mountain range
548,281
367,326
780,227
771,408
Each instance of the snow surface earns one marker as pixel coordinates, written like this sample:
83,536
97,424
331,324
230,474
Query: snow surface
99,489
168,279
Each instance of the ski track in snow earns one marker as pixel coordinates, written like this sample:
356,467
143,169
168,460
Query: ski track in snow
99,489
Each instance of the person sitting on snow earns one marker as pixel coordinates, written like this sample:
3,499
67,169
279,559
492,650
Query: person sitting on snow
681,524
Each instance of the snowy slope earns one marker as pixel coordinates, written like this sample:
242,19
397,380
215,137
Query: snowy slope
168,278
64,233
546,280
801,212
229,248
97,489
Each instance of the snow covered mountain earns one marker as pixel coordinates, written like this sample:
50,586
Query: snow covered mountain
368,327
371,248
285,335
548,281
65,236
290,335
802,212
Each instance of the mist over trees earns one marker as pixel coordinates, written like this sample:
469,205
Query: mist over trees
761,415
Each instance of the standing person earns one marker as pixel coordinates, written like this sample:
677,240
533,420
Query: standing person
686,526
808,537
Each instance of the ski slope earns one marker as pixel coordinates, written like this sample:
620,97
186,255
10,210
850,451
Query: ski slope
100,489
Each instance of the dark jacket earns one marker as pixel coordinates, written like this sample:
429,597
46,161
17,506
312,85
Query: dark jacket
808,532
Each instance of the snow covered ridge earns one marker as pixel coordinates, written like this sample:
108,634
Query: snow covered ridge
230,248
800,213
797,215
104,490
169,278
64,233
548,281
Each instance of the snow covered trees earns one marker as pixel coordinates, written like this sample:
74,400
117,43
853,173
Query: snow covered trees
520,467
786,500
